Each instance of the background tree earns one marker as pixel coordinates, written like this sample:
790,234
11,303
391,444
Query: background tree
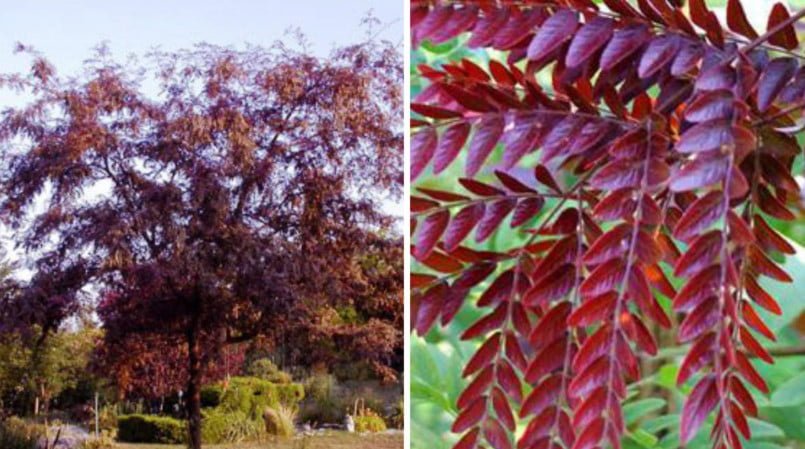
221,207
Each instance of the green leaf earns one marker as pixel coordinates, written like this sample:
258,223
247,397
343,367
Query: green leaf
643,438
638,409
654,425
761,445
763,429
791,393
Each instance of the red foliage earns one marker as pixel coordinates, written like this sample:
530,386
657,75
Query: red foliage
702,162
231,203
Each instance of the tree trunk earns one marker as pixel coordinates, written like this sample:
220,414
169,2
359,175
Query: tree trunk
194,386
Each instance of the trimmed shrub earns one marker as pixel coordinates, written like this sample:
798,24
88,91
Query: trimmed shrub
369,421
252,396
211,396
228,427
150,429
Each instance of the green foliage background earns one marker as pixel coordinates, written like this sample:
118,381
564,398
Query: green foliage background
654,403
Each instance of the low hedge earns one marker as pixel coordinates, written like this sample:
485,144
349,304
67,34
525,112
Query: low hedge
150,429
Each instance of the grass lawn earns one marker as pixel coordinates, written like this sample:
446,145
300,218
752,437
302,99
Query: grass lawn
331,440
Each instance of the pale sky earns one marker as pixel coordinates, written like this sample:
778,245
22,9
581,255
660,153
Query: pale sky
66,31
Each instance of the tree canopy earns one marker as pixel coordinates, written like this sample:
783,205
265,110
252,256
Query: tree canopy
229,201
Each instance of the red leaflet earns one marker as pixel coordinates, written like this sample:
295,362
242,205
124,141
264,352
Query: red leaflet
486,136
452,141
496,435
592,377
700,354
700,172
470,416
699,287
754,346
551,287
754,321
591,435
604,278
737,21
492,218
442,263
775,76
544,394
468,441
701,401
700,215
787,37
423,146
548,359
551,326
498,291
487,323
590,38
553,33
483,356
502,409
749,372
769,239
686,59
593,310
526,209
462,224
699,320
623,44
659,54
716,135
760,296
701,254
430,305
742,395
429,231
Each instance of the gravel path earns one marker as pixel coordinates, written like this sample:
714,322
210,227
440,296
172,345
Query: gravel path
71,436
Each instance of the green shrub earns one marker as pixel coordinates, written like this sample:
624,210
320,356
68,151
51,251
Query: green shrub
252,396
103,442
280,421
228,427
18,434
369,421
150,429
211,396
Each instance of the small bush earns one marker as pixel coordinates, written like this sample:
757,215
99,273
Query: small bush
280,421
17,434
104,442
211,396
150,429
228,427
322,404
369,421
